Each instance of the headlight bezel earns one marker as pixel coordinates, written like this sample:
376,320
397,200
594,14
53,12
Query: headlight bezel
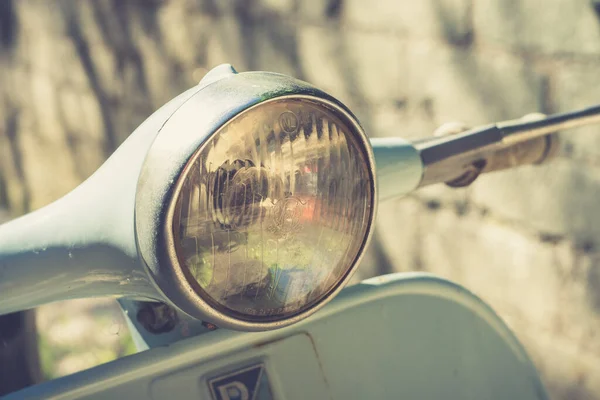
164,171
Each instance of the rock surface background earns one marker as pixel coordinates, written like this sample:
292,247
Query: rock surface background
77,77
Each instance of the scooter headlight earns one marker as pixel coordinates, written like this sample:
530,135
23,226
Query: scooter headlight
273,210
255,202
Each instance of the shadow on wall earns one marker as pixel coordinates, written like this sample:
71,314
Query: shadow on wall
8,25
113,20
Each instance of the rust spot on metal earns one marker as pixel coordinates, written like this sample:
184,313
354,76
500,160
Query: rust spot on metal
209,326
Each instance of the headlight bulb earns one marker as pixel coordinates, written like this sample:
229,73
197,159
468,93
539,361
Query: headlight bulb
273,210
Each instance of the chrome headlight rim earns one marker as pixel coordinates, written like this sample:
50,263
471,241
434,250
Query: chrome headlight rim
162,257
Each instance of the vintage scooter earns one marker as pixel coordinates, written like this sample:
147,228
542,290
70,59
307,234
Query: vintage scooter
227,226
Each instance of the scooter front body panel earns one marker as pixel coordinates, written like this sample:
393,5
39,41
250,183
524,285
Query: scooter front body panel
400,336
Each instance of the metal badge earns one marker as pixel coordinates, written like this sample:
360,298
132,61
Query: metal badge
250,383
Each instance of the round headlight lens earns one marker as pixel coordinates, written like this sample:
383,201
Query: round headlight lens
274,209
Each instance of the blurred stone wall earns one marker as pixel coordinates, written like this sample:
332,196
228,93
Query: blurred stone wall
77,77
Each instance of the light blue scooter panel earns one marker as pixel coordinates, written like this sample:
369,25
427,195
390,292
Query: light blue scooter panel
401,336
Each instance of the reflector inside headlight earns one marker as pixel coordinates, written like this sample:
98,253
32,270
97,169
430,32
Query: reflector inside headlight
274,209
